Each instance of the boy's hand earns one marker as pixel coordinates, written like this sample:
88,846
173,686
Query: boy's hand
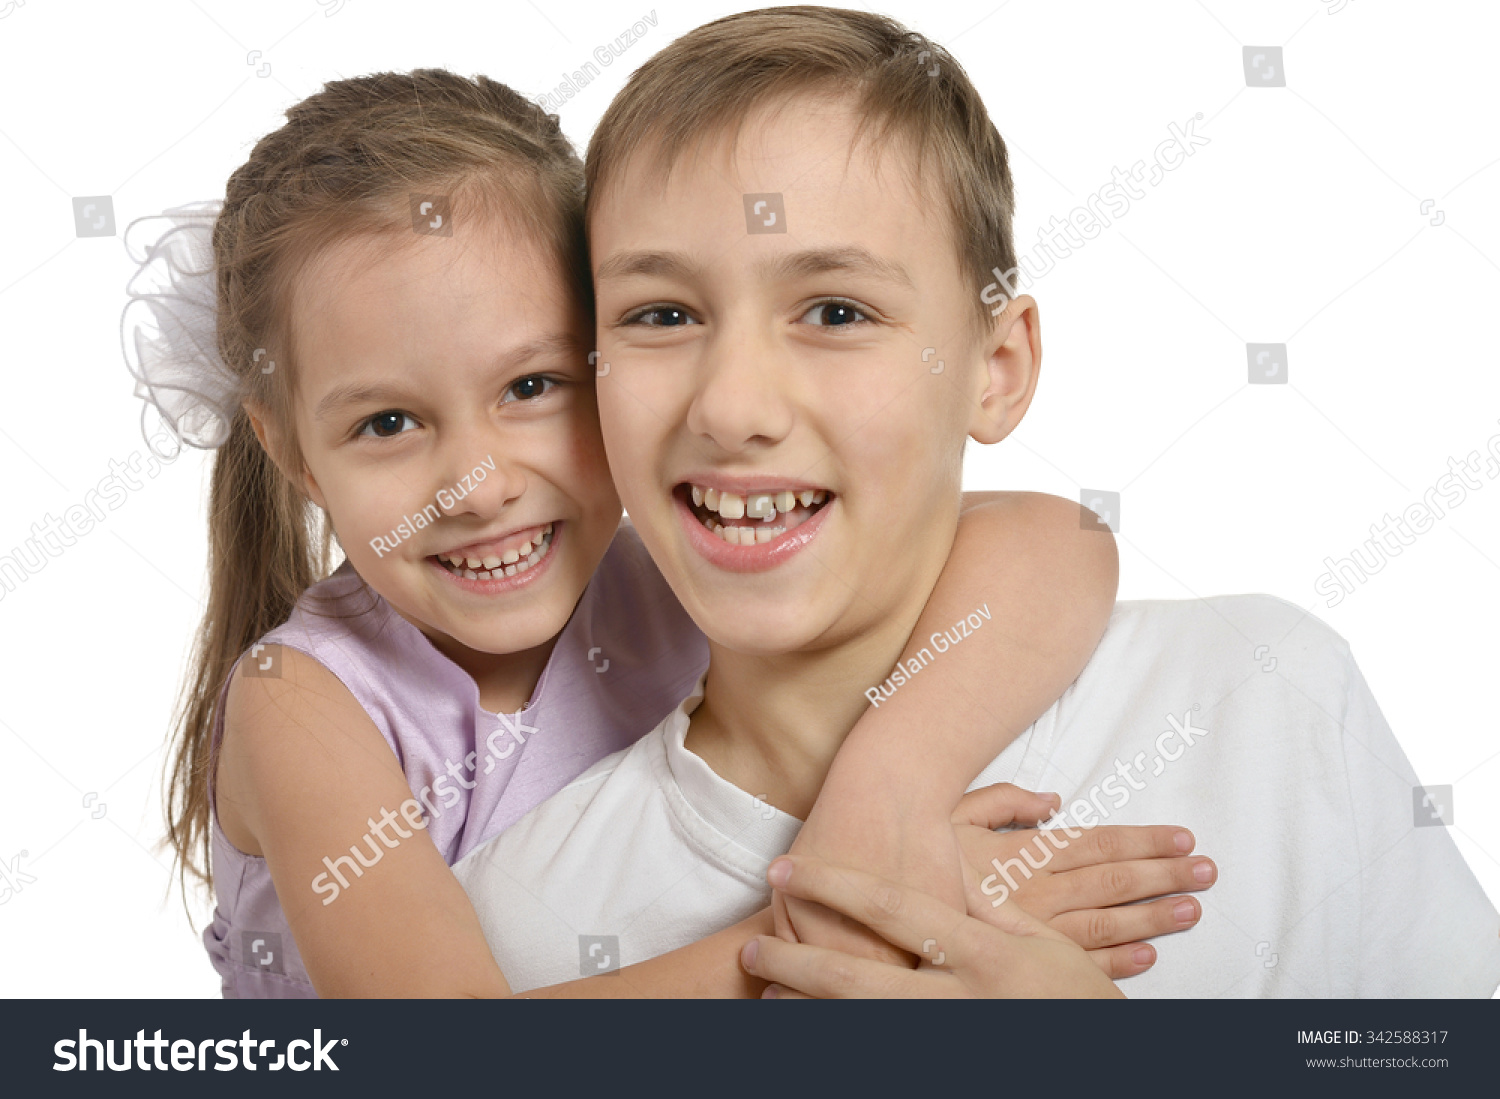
903,843
1016,955
1080,885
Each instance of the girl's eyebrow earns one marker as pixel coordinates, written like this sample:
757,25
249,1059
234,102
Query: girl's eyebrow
852,259
357,393
352,393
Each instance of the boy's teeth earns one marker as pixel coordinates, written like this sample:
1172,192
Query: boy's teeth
510,558
491,562
756,505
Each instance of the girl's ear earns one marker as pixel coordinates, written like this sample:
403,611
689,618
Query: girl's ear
1013,357
267,431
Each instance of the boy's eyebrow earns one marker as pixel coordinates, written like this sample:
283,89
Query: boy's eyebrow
813,261
355,393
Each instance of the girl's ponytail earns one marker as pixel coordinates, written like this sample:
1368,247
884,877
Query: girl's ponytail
266,547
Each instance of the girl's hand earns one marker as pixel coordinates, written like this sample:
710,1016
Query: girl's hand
1010,955
1081,884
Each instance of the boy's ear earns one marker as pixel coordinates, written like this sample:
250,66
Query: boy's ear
1013,357
271,442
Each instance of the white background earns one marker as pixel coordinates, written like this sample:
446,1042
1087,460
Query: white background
1301,222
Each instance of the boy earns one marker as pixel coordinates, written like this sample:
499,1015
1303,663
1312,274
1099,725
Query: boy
792,213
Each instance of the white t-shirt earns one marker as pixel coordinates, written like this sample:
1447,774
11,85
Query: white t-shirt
1242,718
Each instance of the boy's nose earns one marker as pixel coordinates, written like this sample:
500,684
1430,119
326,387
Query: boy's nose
742,399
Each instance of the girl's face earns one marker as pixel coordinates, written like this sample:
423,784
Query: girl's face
444,407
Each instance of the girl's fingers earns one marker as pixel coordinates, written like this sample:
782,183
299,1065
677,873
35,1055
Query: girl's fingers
906,918
1117,843
1126,960
1004,803
1123,882
1106,927
834,975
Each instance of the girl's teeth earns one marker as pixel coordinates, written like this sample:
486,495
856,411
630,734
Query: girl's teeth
731,505
711,499
760,506
785,501
514,561
697,496
806,496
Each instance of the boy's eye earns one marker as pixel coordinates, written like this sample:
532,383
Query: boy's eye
834,314
527,389
661,316
383,425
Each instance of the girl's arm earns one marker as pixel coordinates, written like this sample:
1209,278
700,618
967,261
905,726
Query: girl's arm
1048,586
305,775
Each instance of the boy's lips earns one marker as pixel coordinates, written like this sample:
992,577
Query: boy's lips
750,524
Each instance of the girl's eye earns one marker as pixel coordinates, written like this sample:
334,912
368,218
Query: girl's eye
834,314
661,316
528,388
383,425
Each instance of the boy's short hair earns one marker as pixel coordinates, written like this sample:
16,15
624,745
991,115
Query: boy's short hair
710,80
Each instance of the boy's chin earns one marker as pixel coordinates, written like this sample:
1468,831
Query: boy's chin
764,626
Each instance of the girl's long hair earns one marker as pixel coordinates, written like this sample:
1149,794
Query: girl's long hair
353,159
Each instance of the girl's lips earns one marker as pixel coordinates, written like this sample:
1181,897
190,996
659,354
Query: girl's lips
504,585
760,557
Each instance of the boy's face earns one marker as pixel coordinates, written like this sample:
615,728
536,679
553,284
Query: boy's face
815,383
443,384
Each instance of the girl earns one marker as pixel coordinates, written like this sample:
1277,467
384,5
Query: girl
401,359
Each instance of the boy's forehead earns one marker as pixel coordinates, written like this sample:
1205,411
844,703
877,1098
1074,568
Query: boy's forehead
804,150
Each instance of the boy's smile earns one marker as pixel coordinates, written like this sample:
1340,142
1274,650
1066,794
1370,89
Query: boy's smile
779,438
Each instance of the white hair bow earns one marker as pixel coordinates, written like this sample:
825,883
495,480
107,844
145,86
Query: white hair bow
168,330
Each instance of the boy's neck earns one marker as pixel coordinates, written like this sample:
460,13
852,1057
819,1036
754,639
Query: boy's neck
771,725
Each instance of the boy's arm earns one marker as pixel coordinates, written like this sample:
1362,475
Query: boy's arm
1049,586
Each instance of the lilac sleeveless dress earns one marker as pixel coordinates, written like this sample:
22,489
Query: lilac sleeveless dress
627,657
